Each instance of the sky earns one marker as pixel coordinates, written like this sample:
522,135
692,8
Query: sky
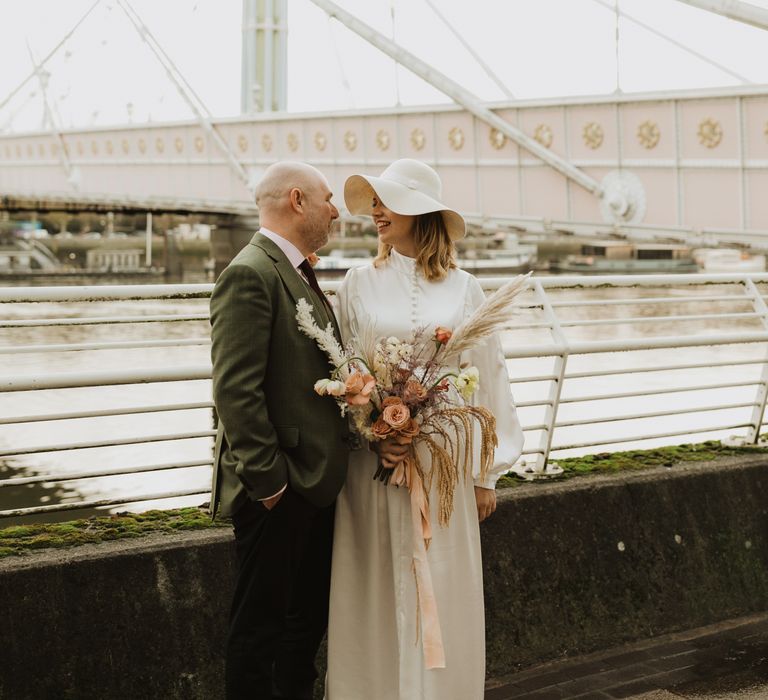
105,75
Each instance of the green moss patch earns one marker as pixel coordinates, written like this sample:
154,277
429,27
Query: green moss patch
635,460
19,539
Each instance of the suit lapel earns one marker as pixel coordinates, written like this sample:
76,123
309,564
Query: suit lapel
293,282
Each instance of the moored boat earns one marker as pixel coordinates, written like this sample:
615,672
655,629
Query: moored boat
728,260
623,257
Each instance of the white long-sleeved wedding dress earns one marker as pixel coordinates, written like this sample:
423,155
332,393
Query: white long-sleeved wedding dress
374,647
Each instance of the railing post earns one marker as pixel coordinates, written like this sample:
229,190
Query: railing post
753,433
542,467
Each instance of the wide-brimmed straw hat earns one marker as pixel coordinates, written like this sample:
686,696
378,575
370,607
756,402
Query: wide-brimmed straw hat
406,187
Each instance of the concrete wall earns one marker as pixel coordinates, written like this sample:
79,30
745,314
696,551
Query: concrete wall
569,567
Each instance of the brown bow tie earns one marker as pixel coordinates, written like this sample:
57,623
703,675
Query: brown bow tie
309,273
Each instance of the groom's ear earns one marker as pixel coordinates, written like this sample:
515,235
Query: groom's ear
296,199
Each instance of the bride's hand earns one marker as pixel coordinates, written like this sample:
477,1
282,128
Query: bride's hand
392,451
486,502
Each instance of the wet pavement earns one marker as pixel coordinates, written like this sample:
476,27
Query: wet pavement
725,661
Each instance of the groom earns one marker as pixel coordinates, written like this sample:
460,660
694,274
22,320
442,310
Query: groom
281,454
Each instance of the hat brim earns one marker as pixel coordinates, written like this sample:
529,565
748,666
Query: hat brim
359,191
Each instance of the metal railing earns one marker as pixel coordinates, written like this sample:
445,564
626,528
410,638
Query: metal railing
628,361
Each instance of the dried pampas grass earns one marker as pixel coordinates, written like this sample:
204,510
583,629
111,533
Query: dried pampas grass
488,318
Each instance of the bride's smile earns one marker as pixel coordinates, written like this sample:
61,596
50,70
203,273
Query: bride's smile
394,229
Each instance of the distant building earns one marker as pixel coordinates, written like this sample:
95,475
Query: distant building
100,260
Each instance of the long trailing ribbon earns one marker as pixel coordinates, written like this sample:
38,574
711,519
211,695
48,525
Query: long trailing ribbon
406,472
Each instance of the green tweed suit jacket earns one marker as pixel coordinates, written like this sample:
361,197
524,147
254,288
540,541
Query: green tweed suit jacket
273,428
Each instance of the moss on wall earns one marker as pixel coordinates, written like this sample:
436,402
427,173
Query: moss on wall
19,539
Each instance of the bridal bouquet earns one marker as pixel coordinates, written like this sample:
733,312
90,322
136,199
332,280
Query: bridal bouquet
416,390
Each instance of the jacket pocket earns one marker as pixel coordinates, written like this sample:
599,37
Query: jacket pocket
287,435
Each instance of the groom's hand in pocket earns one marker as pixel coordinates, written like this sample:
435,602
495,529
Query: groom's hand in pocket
271,502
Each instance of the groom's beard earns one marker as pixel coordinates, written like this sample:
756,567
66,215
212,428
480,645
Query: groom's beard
317,231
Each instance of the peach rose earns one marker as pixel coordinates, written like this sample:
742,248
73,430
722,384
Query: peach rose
358,388
443,334
397,415
414,390
381,428
410,430
391,401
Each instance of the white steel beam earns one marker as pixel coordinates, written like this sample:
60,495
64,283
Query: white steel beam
734,9
460,95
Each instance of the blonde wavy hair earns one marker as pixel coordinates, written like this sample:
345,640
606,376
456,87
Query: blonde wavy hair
437,254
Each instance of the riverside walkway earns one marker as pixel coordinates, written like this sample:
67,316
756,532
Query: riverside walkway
717,662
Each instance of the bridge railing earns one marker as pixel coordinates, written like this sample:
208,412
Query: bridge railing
595,363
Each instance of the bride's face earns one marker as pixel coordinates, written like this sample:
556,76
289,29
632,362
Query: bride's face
394,229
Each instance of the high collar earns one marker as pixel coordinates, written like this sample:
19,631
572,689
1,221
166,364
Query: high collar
402,262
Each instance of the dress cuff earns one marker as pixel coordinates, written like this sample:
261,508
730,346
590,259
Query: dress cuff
488,483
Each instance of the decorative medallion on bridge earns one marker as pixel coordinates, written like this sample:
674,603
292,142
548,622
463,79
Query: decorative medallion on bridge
648,134
30,151
382,139
159,145
497,138
18,150
266,142
80,149
418,139
765,131
242,143
293,142
95,147
54,150
178,144
41,150
126,146
543,134
456,138
199,144
109,148
320,141
593,135
710,133
142,146
7,151
350,140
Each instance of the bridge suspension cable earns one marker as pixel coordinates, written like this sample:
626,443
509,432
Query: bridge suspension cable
488,70
674,42
196,104
50,118
463,97
48,57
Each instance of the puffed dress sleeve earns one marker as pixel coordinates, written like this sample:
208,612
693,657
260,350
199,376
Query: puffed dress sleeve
494,393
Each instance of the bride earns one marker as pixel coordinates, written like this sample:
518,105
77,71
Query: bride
386,641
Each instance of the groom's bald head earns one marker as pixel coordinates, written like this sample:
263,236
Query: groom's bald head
294,201
273,191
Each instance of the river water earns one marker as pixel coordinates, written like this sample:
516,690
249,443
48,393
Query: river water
50,433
